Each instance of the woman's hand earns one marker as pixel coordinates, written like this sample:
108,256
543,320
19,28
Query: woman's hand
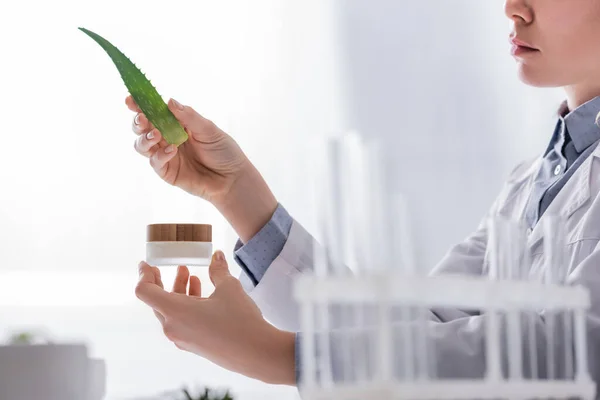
211,165
206,165
226,328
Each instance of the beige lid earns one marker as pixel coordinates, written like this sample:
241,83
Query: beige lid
179,233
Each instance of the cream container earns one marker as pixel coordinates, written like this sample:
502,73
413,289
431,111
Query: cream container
179,244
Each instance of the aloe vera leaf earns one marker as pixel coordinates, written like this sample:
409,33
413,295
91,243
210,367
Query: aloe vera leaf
143,92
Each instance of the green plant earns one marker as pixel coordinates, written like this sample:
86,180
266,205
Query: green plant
28,337
21,338
143,92
206,395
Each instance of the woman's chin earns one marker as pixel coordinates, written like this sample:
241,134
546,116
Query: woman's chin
536,78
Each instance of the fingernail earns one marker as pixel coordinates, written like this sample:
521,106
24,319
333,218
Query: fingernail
219,256
169,149
136,120
177,104
150,135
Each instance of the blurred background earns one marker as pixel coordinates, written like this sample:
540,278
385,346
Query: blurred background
432,80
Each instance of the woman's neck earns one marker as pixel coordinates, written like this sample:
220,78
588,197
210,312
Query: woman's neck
579,94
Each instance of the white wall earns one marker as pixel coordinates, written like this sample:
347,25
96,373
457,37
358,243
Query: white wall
434,82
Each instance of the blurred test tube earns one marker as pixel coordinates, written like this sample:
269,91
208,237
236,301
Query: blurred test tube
404,262
348,238
508,250
508,242
556,270
354,186
381,253
326,256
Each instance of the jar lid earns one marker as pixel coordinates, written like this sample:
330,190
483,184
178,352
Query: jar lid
179,233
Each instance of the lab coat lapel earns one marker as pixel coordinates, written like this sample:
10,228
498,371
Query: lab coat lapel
571,198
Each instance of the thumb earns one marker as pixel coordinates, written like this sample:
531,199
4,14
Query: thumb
218,269
198,127
149,291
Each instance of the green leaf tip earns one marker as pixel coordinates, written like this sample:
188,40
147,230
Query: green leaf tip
143,92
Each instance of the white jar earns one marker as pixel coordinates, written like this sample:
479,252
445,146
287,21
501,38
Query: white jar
179,244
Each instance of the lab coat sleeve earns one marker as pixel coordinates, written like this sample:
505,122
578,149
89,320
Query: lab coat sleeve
274,293
458,347
469,257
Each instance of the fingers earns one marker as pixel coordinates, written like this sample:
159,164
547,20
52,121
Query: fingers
149,138
146,273
195,286
149,291
200,128
218,270
131,104
141,125
158,281
160,159
181,280
157,277
148,144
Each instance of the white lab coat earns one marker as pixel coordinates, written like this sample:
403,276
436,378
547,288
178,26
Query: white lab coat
457,334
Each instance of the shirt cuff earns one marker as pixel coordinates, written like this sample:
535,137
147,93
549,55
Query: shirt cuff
262,249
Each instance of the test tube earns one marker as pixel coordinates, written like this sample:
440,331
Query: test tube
569,345
313,362
508,242
381,252
533,350
402,239
325,255
379,206
354,185
324,342
517,271
340,185
335,223
556,269
402,333
348,241
581,347
404,262
308,347
370,207
530,317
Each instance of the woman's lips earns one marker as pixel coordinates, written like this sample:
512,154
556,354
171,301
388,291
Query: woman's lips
520,47
517,50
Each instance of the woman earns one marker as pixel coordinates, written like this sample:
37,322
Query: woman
555,43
